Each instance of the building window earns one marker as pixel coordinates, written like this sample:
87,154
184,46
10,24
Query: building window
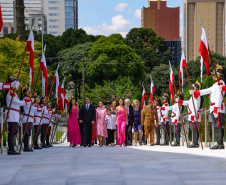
69,21
52,20
5,30
52,14
53,32
69,3
52,26
12,29
69,9
69,15
52,8
52,2
69,26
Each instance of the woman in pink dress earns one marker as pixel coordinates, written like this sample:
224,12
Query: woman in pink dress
121,120
101,114
73,132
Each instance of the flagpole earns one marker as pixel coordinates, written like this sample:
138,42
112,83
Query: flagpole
42,25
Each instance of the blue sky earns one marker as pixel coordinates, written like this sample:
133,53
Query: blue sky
105,17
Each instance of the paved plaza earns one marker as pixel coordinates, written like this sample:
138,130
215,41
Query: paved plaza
115,166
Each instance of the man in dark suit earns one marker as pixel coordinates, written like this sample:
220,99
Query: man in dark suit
87,117
129,127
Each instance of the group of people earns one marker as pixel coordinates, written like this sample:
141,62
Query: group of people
122,124
124,121
37,114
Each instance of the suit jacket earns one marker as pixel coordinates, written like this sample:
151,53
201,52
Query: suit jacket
87,116
131,115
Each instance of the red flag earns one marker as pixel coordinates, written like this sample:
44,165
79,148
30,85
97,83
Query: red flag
66,102
181,72
43,67
1,20
57,81
144,96
62,94
172,78
203,50
30,48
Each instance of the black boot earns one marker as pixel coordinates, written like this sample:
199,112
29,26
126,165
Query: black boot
217,134
36,143
221,138
11,150
177,143
26,140
158,135
195,139
145,143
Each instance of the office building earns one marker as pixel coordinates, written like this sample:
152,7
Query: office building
212,14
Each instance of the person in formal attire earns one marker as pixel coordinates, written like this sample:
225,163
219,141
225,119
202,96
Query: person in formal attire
148,114
158,122
73,132
87,117
121,120
101,114
129,127
113,112
110,122
14,114
217,105
137,126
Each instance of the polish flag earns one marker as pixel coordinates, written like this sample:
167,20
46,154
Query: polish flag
1,20
66,102
181,72
203,50
144,96
57,81
62,94
43,67
30,48
152,90
172,78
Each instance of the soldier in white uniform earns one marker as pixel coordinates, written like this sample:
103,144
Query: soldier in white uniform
175,117
191,113
14,115
37,119
215,94
165,119
27,94
158,122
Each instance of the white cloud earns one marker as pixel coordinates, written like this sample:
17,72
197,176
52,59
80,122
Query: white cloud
121,7
119,25
137,13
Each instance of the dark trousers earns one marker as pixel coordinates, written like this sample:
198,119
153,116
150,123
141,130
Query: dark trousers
86,133
12,131
166,129
35,131
81,131
47,136
110,138
128,134
28,129
43,132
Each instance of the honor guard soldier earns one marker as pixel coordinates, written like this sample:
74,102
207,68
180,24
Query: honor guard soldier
47,117
165,119
37,119
175,117
215,96
157,122
14,115
192,114
27,94
147,119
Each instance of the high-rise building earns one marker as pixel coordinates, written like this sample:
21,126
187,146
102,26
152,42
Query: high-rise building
165,21
59,15
212,14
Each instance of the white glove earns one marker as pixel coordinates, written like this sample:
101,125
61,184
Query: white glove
177,99
215,115
191,92
15,84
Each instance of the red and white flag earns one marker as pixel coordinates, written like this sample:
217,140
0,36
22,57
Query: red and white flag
181,72
66,102
43,67
152,90
30,48
57,81
203,50
201,68
62,94
1,20
172,78
144,96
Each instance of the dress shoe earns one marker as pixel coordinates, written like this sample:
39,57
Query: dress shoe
145,143
221,146
45,146
215,147
151,144
27,149
52,145
157,143
37,147
193,146
89,145
176,144
13,153
84,145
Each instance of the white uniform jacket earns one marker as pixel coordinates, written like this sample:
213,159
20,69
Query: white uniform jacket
165,113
